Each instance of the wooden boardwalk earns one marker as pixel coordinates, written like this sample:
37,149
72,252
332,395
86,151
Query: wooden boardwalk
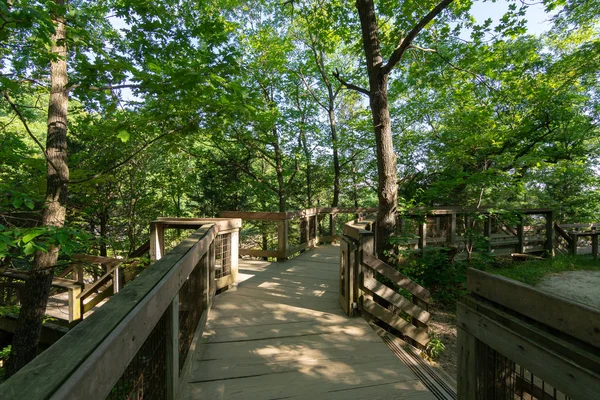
282,334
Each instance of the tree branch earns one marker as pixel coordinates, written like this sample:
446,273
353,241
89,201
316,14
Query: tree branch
407,41
24,121
348,85
132,155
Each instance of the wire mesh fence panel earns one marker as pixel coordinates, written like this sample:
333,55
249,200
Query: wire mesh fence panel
223,255
192,303
146,376
502,379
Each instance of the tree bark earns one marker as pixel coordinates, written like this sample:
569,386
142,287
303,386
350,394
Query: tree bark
336,158
29,325
387,192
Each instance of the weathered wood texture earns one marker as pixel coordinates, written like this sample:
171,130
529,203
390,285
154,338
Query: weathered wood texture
309,237
282,335
556,340
98,350
379,289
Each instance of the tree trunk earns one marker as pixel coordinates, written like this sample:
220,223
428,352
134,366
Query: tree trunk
387,192
29,325
336,159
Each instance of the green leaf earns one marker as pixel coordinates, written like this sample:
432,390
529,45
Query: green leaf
123,135
29,249
29,204
32,235
17,202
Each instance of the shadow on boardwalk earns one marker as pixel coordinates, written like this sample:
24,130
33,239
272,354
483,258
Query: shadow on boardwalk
282,334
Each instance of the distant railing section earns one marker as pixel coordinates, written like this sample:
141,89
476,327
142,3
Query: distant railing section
504,232
280,235
572,238
379,291
517,342
137,344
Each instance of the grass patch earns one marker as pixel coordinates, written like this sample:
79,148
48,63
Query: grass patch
531,272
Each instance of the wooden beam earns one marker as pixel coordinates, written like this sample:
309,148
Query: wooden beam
575,319
571,379
417,334
405,283
374,287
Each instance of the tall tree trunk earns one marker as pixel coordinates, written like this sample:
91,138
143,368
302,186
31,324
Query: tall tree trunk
336,159
387,192
29,325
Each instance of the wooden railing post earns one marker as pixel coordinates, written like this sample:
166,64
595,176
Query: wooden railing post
520,236
550,233
172,352
75,306
235,253
422,236
453,228
366,245
282,240
157,241
467,365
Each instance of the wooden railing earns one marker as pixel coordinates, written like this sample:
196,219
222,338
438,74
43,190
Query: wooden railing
515,341
280,235
515,231
572,234
138,342
376,289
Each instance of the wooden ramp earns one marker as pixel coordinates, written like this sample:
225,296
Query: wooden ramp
282,334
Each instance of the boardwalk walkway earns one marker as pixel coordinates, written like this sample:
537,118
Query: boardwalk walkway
282,334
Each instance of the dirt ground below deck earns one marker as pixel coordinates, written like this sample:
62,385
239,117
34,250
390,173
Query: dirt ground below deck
443,324
581,286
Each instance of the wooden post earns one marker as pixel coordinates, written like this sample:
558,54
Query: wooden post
172,343
235,254
520,236
282,240
304,230
550,233
453,228
157,241
117,279
574,240
332,225
75,305
487,231
366,245
467,367
595,245
422,236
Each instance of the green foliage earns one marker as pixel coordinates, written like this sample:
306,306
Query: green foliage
433,269
434,348
531,272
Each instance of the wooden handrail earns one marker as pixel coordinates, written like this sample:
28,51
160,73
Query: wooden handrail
99,349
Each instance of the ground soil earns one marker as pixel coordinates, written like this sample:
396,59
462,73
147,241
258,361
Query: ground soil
581,286
443,324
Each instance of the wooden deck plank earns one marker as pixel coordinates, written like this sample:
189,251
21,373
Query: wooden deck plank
282,334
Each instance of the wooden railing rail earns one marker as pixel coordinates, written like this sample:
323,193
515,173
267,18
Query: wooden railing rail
571,233
448,227
314,226
515,341
138,342
378,290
